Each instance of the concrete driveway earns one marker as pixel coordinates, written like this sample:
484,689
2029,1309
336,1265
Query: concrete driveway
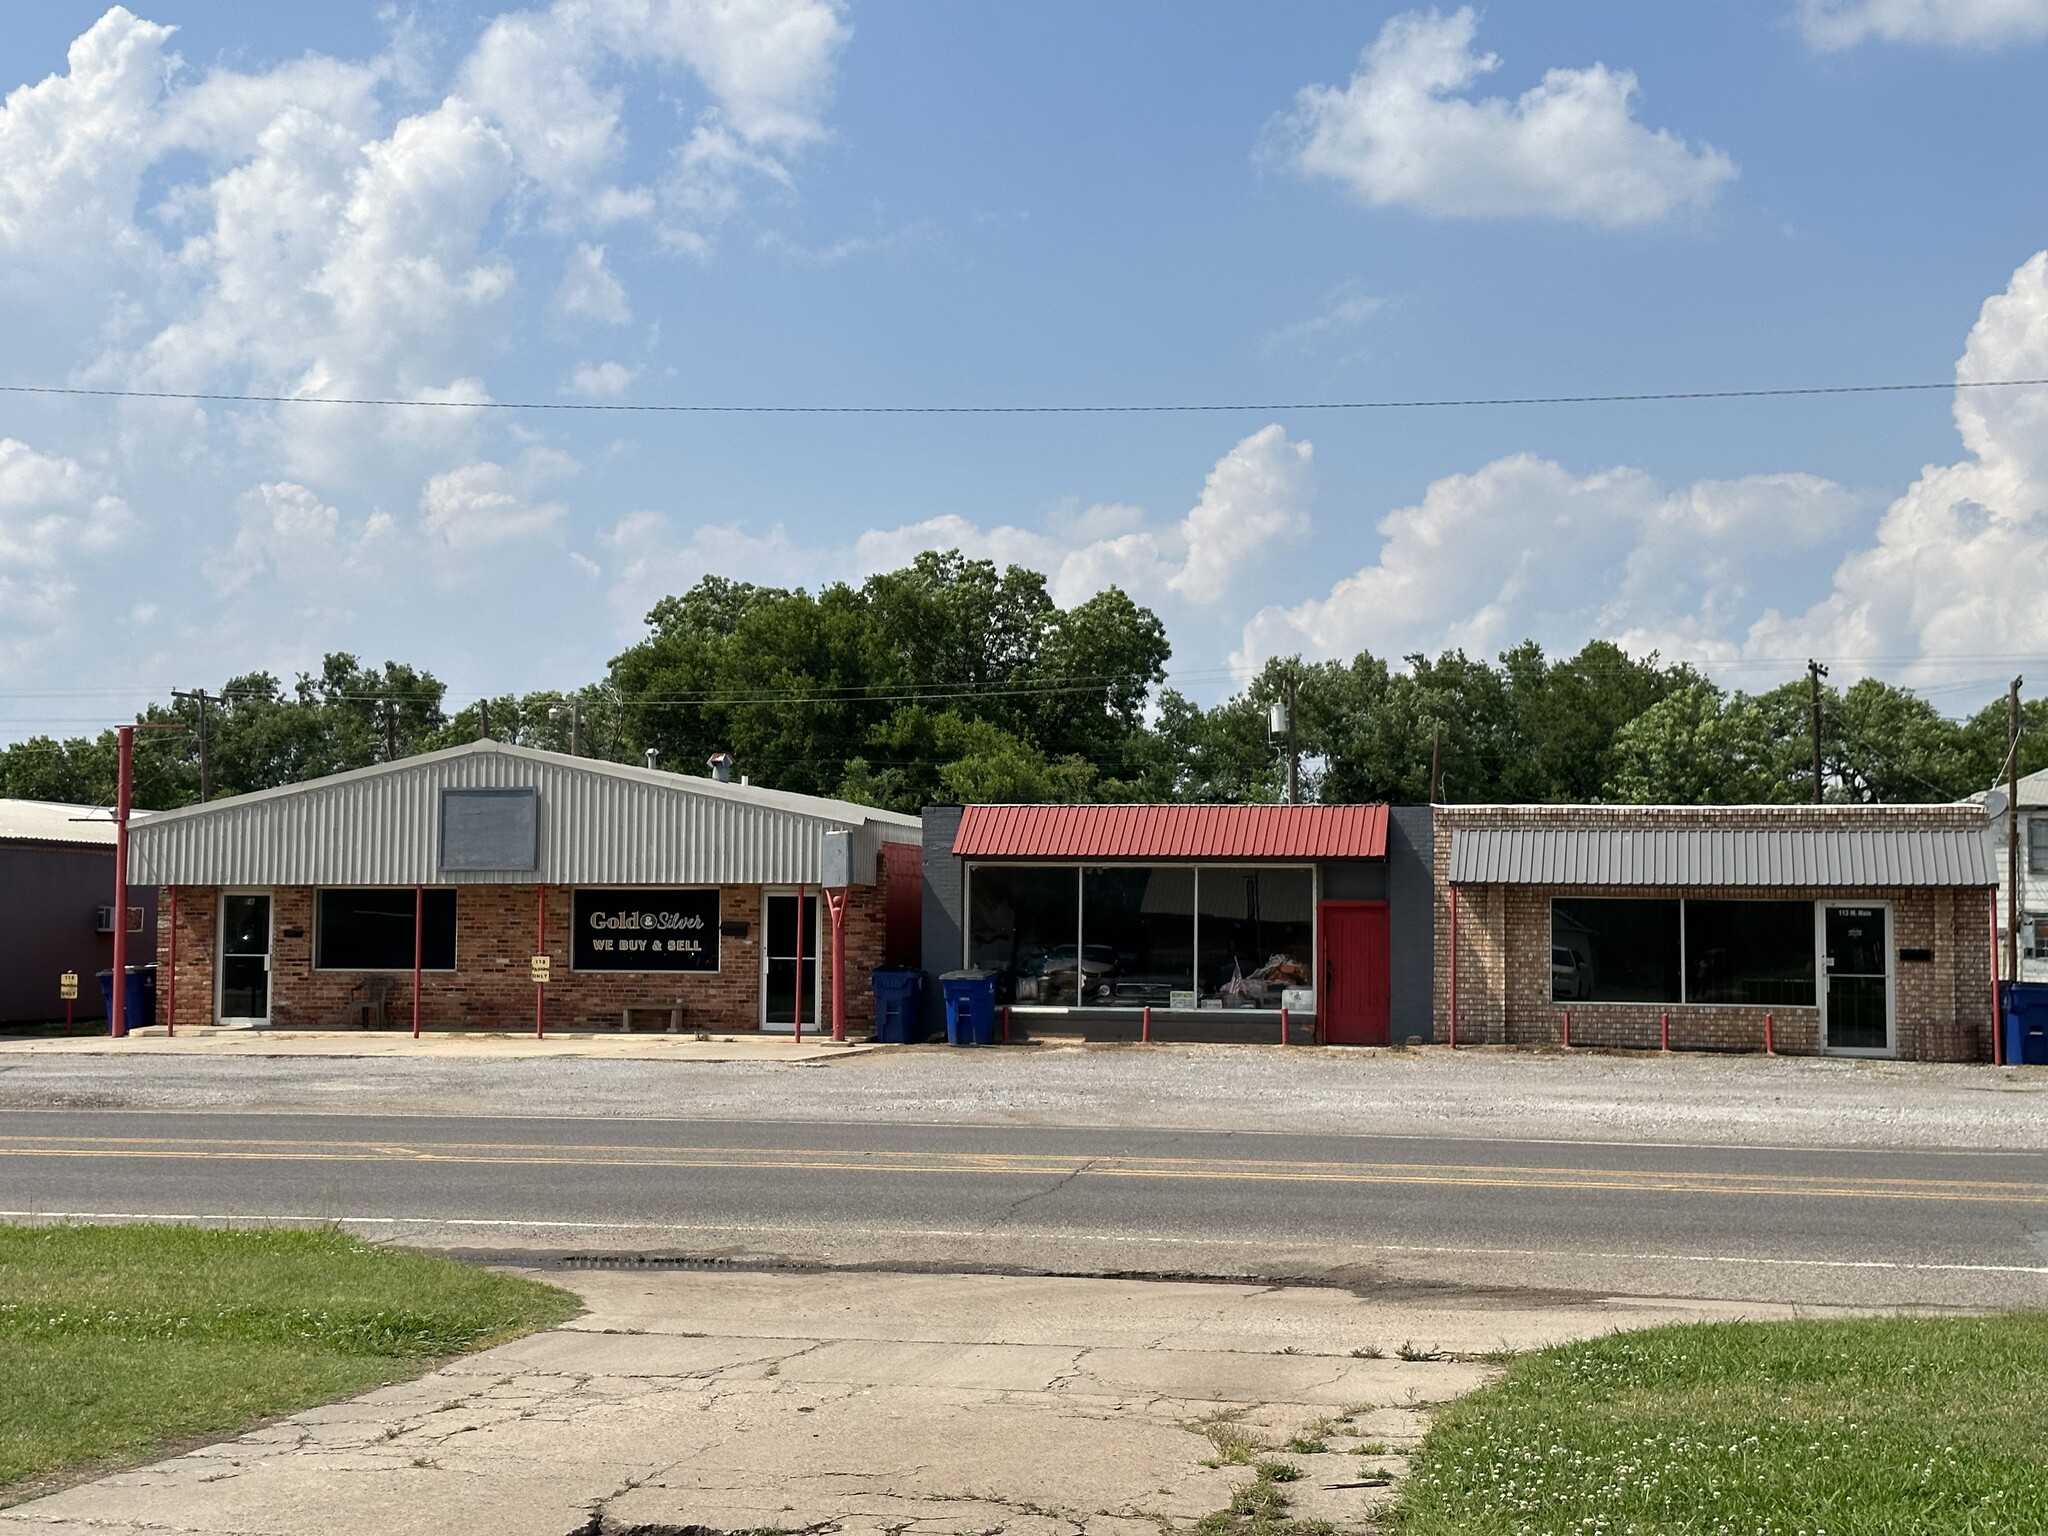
866,1403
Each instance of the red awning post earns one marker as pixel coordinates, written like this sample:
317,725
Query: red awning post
540,947
1997,1013
171,997
1567,1029
835,901
1770,1042
1006,1023
1145,1026
797,1009
1283,1025
1664,1033
419,928
117,999
1454,967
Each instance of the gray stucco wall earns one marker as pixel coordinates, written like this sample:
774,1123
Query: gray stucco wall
1411,914
945,907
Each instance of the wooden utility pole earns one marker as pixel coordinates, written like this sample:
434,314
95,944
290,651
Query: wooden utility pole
2012,832
1293,739
1436,764
198,696
483,719
390,730
1814,673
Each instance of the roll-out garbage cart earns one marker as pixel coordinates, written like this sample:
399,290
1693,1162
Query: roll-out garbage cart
970,1007
138,998
899,1005
2026,1023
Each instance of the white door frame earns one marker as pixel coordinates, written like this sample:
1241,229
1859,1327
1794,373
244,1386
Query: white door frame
220,925
1891,982
812,1009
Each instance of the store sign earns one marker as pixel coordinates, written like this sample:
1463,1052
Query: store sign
542,970
67,987
633,930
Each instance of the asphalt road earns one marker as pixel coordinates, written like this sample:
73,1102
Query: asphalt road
1860,1227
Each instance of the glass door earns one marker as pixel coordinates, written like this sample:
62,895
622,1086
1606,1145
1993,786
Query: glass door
245,958
1857,1007
779,963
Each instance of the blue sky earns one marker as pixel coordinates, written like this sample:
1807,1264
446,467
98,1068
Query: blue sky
799,202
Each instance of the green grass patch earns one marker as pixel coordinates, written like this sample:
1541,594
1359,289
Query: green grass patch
117,1341
1855,1428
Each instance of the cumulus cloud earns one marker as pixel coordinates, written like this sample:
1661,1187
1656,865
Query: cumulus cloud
589,291
1568,148
600,381
1833,24
483,504
285,531
55,515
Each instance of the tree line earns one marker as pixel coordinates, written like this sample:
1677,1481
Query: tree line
953,681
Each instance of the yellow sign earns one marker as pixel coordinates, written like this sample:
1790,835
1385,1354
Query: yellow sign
541,966
67,987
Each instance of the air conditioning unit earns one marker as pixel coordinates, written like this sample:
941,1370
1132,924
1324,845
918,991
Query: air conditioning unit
103,919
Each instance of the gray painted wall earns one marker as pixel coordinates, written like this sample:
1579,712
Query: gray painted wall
1411,915
945,907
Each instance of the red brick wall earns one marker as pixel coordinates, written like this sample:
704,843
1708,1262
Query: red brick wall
1943,1007
490,986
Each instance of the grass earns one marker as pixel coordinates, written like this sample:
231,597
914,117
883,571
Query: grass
1853,1428
1260,1507
117,1342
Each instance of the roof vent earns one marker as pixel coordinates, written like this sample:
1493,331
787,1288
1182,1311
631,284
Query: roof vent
722,765
653,757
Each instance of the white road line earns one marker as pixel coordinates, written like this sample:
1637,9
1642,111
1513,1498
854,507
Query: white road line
726,1229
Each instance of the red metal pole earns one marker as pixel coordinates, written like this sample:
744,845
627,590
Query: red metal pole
1454,967
1770,1042
171,1001
1665,1033
419,927
1283,1026
797,1010
540,947
1145,1026
1567,1029
836,900
1006,1023
1997,1013
117,1022
68,1006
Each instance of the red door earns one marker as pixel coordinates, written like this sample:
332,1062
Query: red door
1353,1006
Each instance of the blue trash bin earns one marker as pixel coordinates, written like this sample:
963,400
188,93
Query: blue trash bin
138,999
970,1007
899,1005
2026,1023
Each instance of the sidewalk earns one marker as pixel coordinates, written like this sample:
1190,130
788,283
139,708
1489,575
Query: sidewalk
919,1405
440,1045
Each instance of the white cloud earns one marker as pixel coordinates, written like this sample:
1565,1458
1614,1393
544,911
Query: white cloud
1833,24
484,504
286,531
590,291
600,381
1347,309
1568,148
57,519
1254,502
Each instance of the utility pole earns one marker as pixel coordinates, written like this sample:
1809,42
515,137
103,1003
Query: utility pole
1436,764
2012,832
574,709
198,696
390,729
483,719
1814,673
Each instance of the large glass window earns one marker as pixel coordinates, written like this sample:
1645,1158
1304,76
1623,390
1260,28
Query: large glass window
1139,928
1024,923
372,930
1754,952
2037,845
1604,950
1258,935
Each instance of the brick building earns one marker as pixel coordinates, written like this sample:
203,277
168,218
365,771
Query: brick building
1854,930
659,900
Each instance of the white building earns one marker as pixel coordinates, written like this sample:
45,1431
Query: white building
2033,902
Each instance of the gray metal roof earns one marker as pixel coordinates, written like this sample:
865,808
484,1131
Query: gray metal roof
1804,857
600,824
45,821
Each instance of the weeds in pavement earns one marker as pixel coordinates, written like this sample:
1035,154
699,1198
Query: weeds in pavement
1260,1508
1235,1445
1368,1352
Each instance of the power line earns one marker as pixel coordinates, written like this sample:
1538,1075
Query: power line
684,408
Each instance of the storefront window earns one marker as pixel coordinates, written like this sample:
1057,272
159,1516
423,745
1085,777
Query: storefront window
372,930
1024,923
1139,928
1614,951
1257,935
1754,952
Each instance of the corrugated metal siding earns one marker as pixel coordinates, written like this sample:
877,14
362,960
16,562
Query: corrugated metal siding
599,825
1664,856
1173,832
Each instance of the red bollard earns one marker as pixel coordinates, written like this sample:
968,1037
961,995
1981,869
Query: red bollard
1567,1029
1664,1031
1283,1028
1006,1023
1770,1042
1145,1026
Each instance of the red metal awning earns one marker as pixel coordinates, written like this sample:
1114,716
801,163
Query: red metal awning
1213,832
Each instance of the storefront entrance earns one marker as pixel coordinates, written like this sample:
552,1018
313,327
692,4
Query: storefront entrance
779,962
1856,1002
1354,1003
244,958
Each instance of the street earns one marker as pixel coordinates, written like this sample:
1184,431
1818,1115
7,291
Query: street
1862,1227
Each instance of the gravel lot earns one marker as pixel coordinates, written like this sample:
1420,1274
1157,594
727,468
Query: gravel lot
1430,1092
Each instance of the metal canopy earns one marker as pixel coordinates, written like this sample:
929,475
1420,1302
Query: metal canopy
1794,857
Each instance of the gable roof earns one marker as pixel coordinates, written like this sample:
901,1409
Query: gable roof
49,821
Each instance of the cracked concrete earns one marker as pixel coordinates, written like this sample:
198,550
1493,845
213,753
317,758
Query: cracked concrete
861,1405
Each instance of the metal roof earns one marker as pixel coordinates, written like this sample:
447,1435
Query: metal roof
1803,857
1215,832
46,821
599,824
